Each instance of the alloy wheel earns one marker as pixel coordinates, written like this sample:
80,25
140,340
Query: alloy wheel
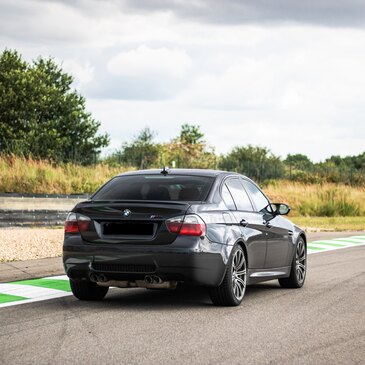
301,261
239,274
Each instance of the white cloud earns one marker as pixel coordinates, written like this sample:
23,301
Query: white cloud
148,61
82,72
291,87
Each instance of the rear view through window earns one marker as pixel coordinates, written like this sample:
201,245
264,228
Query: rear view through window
154,187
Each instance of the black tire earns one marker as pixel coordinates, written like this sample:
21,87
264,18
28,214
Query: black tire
226,293
87,290
298,268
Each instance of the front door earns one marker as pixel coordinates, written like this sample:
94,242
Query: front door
278,240
278,244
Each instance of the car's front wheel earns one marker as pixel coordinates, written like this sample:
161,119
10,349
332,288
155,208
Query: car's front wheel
299,267
233,287
87,290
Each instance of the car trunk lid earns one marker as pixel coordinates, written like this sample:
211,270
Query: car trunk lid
129,222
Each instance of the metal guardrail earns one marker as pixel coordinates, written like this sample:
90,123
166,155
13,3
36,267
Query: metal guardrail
42,218
54,196
18,210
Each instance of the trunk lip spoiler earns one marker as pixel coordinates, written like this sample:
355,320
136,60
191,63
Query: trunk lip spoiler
139,202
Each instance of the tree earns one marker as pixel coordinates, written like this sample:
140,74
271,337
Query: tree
359,161
41,116
298,161
350,162
256,162
142,153
191,134
189,150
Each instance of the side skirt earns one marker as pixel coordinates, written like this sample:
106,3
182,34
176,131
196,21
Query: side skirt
259,275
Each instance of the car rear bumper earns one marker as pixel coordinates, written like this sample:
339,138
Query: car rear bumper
190,260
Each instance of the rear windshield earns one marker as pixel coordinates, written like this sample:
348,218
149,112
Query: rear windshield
156,187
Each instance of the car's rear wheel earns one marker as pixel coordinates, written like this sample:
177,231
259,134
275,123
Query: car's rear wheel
232,289
299,267
87,290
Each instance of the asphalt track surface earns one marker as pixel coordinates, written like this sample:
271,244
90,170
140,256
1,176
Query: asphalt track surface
322,323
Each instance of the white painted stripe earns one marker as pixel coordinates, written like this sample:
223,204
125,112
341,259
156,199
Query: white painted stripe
309,251
60,277
28,291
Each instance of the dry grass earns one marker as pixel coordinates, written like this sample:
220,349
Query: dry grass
323,200
22,175
330,223
30,176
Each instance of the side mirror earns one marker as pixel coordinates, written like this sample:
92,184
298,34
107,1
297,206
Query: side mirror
274,209
280,209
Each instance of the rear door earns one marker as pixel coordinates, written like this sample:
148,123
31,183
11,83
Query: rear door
278,241
252,228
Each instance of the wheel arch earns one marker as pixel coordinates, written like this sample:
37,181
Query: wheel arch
244,248
302,235
241,243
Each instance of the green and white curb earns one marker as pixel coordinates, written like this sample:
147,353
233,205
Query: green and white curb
35,290
334,244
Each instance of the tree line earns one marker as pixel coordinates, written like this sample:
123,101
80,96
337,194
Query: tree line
189,149
42,117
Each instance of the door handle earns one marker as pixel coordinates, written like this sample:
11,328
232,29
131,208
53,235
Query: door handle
268,224
243,223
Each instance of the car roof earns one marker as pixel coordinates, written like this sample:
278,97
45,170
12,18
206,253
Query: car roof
191,172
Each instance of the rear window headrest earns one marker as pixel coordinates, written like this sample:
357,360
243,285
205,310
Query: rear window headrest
191,193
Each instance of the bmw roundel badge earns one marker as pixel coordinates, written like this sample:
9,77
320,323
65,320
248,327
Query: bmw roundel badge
127,212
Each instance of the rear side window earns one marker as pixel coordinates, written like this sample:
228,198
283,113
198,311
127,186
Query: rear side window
156,187
239,195
227,198
257,196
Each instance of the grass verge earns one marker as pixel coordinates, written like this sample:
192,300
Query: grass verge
336,224
318,200
20,175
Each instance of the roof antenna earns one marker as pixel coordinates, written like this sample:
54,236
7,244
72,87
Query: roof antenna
165,171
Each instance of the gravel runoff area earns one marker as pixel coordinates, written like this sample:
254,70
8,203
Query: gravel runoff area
30,243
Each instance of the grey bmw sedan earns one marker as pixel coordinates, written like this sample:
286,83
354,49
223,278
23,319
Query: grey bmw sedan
156,229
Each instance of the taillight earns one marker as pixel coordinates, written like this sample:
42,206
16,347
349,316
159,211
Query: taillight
76,223
190,225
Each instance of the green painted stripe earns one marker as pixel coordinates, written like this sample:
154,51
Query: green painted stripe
329,244
6,298
349,241
316,248
63,285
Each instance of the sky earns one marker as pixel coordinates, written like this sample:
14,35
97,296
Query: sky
288,75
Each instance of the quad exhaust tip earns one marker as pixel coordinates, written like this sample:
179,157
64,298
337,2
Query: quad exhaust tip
153,279
98,278
150,281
